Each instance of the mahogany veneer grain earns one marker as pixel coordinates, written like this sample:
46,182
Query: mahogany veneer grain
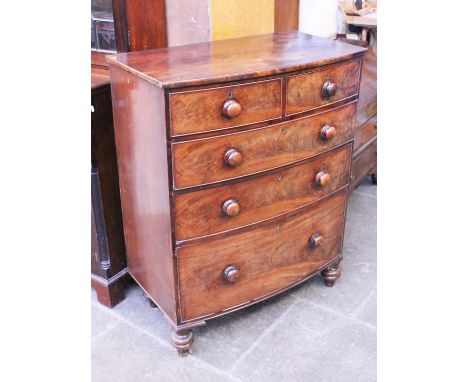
200,213
199,162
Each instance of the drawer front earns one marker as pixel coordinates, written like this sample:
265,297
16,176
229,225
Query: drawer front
227,207
365,133
224,107
308,91
364,163
267,259
208,160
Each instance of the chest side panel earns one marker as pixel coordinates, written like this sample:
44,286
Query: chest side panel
140,135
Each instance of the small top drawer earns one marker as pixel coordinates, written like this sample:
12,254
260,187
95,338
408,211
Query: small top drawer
321,87
229,156
198,111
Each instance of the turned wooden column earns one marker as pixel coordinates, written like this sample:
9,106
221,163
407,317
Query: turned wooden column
182,341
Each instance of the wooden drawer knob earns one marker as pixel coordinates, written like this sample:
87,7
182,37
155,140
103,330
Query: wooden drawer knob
231,207
231,274
328,132
231,108
329,89
316,240
232,158
322,178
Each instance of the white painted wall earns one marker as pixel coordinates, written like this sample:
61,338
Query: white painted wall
318,17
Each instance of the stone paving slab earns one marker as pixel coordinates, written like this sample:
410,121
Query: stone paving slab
311,344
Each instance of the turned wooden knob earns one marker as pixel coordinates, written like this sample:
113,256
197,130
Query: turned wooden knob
329,89
328,132
322,178
232,157
231,207
232,273
231,108
316,240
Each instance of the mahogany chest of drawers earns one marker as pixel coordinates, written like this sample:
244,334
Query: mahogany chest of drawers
234,161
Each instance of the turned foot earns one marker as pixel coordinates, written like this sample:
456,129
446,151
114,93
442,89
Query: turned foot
150,302
331,274
374,178
182,341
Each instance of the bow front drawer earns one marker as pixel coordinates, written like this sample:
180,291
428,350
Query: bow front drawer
321,87
227,207
204,110
230,271
209,160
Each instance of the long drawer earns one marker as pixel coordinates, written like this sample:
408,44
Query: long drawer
230,156
226,272
203,110
321,87
222,208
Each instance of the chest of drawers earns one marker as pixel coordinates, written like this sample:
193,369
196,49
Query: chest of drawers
234,161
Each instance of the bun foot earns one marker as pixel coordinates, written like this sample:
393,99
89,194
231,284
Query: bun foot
182,341
374,178
331,274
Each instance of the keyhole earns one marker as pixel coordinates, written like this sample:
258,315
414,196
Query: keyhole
230,95
283,130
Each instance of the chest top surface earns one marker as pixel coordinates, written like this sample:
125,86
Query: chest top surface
234,59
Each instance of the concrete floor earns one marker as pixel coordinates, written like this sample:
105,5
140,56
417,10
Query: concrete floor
310,333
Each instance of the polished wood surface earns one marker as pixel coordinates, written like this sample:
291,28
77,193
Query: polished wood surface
98,61
200,213
202,110
286,15
146,22
235,59
139,24
99,77
201,161
272,256
306,91
144,186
